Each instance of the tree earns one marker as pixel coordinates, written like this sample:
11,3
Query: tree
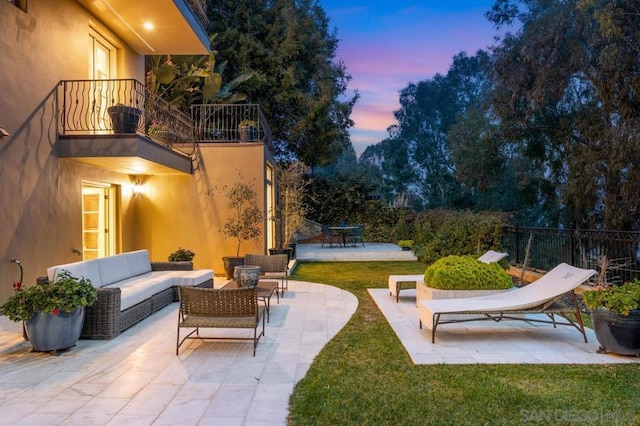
288,49
417,158
245,216
567,92
291,210
185,80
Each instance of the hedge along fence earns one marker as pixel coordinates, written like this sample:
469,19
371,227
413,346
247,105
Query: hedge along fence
440,233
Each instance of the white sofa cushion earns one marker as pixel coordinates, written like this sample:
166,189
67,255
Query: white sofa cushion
138,289
88,269
114,269
138,262
191,278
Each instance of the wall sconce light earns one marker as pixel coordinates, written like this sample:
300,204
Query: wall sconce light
139,188
4,133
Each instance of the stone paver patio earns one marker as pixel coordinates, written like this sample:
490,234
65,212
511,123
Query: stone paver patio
136,378
488,342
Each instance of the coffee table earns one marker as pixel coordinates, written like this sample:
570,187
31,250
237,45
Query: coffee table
265,290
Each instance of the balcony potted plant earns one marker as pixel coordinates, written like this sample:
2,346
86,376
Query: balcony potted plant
161,132
53,312
124,119
615,311
244,218
248,131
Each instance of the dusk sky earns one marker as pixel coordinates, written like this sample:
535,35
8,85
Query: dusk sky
385,45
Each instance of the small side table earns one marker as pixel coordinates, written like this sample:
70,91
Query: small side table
265,290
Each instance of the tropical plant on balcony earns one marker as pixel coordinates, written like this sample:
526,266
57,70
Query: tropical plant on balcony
185,80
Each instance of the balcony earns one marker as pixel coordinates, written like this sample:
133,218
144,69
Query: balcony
121,126
231,123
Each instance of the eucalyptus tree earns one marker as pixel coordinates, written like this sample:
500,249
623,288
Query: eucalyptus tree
568,84
419,141
287,47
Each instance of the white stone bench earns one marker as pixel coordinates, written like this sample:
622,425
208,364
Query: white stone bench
396,283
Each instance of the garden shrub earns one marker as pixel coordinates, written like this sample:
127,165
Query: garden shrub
440,233
466,273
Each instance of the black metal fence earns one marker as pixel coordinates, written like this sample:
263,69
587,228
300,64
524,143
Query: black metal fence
582,248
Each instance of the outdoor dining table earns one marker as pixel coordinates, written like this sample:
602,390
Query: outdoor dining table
343,231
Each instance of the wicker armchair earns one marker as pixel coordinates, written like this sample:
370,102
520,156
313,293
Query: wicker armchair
219,308
271,266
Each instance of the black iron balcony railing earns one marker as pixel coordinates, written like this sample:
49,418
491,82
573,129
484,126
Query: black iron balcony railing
228,123
199,8
582,248
116,107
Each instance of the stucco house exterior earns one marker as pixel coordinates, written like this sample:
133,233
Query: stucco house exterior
77,179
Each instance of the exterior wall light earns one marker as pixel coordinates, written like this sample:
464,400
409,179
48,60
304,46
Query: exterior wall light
4,133
139,188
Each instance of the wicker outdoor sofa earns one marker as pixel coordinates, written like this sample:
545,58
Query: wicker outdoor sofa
130,288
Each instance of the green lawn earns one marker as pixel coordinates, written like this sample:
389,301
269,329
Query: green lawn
364,376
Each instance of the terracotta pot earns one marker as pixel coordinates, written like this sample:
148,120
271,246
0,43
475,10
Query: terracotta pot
230,264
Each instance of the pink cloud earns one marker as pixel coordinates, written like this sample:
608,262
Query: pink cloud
384,58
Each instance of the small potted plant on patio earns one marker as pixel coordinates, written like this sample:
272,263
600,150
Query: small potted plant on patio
615,311
405,245
53,312
244,220
181,255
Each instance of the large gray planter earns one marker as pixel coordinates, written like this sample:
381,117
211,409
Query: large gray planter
617,333
53,332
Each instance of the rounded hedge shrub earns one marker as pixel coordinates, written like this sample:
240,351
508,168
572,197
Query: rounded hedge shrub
466,273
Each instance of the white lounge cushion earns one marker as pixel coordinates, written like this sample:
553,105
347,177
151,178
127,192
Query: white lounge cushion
139,262
559,280
88,269
492,256
114,268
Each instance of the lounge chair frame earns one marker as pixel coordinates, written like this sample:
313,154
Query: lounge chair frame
551,309
219,308
540,297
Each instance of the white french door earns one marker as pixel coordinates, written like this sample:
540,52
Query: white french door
102,67
98,220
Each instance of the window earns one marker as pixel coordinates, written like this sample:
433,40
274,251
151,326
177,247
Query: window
21,4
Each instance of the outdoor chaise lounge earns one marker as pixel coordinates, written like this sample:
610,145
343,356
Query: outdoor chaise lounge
539,297
396,281
219,308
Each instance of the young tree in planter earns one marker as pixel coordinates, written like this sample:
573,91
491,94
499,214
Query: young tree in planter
245,216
